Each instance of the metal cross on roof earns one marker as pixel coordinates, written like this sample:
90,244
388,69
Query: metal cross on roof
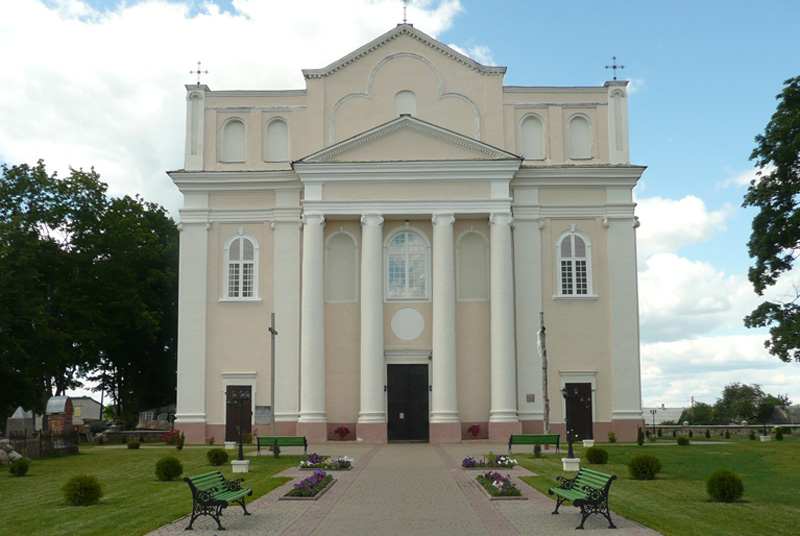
614,66
198,72
405,6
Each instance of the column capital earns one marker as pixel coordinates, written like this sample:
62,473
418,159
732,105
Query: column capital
443,218
501,218
307,219
372,218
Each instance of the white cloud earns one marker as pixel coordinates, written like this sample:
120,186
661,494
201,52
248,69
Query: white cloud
744,178
672,372
635,85
667,224
105,88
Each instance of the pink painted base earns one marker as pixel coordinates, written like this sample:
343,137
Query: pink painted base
626,430
372,433
445,432
195,432
315,432
499,431
532,427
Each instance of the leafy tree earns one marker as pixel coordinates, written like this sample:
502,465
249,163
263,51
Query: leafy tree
775,239
741,402
701,413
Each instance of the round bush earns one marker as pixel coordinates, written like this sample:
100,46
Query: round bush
644,467
133,444
683,441
82,490
751,435
168,468
724,486
19,467
596,455
217,456
779,434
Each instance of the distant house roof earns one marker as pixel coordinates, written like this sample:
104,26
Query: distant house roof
84,399
662,414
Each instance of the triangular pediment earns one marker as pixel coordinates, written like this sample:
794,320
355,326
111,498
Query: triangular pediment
408,139
401,31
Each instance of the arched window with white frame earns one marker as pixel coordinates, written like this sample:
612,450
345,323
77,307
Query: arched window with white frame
405,103
341,267
233,142
580,139
472,266
531,138
408,265
276,141
241,263
574,264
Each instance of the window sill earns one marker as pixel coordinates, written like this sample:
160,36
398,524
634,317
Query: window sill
576,297
238,300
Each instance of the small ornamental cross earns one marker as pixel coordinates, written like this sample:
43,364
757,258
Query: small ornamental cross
405,6
613,66
198,72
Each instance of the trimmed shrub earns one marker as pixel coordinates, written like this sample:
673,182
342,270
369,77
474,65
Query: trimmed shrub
779,434
20,467
133,444
683,441
691,434
724,486
596,455
751,435
727,434
708,434
537,450
639,435
644,467
674,433
612,437
168,468
217,456
82,490
181,440
659,432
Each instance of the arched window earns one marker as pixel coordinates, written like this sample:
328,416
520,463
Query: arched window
241,261
472,267
276,141
574,264
405,102
407,266
531,144
341,267
580,138
233,145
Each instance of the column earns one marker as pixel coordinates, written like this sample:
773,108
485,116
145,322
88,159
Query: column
503,418
312,422
371,426
445,425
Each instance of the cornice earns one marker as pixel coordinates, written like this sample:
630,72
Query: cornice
409,30
394,207
234,181
405,171
574,176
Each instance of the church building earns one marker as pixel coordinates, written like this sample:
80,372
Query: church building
408,218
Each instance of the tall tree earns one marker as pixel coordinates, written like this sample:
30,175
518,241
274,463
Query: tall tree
775,239
742,402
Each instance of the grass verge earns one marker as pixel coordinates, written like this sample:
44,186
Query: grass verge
134,503
676,503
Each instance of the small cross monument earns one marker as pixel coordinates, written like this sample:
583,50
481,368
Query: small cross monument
198,72
614,66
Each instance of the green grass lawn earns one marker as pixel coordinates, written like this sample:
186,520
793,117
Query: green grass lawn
676,503
135,502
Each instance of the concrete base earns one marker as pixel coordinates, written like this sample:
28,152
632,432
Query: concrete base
445,432
230,445
588,443
315,432
571,464
373,433
765,438
240,466
499,431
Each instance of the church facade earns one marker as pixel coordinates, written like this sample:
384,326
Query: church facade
408,219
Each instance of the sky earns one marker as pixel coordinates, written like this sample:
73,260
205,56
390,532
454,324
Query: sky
100,83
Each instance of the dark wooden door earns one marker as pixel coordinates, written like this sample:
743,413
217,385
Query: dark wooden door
407,403
238,411
579,409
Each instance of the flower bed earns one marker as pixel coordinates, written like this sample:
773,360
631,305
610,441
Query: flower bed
311,487
315,461
491,460
498,485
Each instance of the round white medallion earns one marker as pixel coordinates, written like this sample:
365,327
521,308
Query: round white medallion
407,324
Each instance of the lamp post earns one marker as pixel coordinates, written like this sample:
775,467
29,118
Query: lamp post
240,398
567,397
653,413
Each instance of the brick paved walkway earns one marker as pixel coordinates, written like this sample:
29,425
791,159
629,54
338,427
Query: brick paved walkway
408,489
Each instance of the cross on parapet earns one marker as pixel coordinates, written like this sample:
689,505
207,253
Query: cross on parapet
405,6
614,66
198,72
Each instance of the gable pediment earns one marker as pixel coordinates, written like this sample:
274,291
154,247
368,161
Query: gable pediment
408,139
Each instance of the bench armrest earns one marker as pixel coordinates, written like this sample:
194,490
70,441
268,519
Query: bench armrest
565,483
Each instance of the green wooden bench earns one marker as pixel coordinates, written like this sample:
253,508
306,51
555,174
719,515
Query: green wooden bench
587,491
283,441
532,439
212,493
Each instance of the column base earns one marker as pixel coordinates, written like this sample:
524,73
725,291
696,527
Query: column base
315,432
500,431
373,433
445,432
195,432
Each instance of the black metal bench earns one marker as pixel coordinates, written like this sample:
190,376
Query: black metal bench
532,439
587,491
282,441
212,493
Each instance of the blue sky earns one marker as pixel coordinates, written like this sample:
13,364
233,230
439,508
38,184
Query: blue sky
100,83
